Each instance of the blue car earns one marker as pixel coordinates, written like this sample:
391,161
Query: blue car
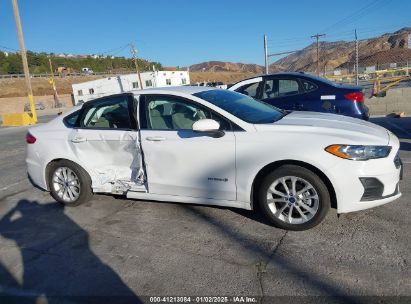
304,92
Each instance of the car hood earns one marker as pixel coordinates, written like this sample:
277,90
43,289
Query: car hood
349,130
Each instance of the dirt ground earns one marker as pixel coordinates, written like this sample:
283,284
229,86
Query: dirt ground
16,87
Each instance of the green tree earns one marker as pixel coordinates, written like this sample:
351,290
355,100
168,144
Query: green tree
38,63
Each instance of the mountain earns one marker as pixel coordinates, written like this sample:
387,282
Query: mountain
221,66
385,49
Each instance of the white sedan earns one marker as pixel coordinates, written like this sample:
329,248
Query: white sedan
209,146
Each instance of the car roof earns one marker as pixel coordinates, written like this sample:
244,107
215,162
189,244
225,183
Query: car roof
294,74
299,74
180,89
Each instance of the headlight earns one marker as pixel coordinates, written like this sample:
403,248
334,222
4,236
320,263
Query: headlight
359,152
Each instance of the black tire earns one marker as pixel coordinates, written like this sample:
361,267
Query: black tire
86,192
324,201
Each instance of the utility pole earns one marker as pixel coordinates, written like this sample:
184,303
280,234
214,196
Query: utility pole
317,36
134,52
24,60
356,58
265,54
57,103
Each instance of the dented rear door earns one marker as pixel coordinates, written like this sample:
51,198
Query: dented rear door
106,140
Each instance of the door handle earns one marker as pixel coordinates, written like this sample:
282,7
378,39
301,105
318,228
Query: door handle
155,138
78,139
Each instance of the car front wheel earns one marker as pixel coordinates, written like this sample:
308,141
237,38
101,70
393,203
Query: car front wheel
294,198
69,183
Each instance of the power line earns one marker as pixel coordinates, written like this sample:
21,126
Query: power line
365,10
118,49
294,41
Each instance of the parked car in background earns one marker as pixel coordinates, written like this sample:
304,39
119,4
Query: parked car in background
304,92
220,85
211,146
364,77
38,105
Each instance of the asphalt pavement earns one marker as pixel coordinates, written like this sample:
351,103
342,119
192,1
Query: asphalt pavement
117,247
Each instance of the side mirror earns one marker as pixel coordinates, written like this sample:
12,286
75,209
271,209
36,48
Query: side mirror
208,126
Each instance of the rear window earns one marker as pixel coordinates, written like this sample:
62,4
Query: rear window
317,78
308,85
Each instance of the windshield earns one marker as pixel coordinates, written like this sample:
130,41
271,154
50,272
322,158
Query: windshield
242,106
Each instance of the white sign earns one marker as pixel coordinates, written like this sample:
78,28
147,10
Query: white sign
370,69
327,97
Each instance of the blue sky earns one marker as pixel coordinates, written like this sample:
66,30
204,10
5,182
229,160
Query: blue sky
180,33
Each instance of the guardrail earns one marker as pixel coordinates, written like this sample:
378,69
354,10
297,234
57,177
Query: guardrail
379,74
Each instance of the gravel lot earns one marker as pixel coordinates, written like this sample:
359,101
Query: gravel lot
117,247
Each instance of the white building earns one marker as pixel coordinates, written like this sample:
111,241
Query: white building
83,92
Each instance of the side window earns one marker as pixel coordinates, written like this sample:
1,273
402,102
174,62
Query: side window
274,88
250,89
270,89
111,113
171,113
308,86
287,87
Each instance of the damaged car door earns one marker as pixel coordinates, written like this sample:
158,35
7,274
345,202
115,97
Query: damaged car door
179,161
106,141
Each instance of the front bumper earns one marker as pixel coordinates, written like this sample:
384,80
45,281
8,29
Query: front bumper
362,205
359,197
361,185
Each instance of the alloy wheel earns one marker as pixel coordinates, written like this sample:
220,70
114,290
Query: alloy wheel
293,200
66,184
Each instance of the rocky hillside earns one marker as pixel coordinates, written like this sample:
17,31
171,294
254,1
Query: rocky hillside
387,48
220,66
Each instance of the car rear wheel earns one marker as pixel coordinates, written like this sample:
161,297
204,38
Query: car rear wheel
294,198
69,183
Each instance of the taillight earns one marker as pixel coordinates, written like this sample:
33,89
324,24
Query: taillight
357,96
30,139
